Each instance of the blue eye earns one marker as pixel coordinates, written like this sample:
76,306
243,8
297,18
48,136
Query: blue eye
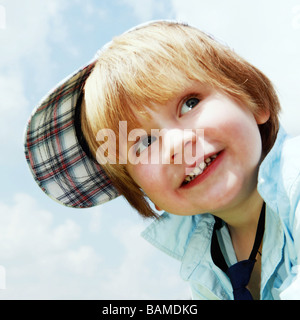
144,143
189,105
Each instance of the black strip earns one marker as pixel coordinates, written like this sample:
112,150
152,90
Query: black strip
215,249
259,233
79,134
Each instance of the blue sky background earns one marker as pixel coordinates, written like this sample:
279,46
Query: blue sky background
52,252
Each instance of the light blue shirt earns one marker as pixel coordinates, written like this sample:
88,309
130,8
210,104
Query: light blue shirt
188,238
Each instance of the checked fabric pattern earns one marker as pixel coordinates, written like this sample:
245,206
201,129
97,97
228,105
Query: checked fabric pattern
57,161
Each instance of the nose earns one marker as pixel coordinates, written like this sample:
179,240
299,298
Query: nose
182,146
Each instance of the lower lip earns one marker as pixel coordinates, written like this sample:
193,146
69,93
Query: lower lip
207,172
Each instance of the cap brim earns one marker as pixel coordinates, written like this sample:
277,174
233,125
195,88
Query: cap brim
55,157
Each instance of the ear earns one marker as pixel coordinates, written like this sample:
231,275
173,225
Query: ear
157,208
262,117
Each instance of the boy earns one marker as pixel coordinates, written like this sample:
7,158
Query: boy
231,214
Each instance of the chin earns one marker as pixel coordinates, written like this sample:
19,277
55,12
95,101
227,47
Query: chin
226,197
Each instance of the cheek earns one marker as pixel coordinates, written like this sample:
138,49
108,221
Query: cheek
249,139
241,128
146,176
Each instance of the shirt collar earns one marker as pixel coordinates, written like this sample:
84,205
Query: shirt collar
171,233
269,171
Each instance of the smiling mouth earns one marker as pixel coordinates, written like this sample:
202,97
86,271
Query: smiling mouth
198,170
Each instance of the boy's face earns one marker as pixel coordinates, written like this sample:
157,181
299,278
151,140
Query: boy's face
231,144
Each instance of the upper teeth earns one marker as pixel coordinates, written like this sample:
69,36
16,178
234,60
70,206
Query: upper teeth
200,168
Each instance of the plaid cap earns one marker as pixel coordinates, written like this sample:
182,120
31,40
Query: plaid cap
57,160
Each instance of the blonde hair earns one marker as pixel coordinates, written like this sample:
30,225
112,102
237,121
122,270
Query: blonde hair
151,65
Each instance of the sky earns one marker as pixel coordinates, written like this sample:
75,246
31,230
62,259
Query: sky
48,251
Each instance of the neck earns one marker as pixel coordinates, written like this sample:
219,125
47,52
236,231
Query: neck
245,215
242,222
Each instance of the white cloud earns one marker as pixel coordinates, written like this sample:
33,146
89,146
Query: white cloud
25,62
147,9
95,221
145,272
80,262
27,230
49,258
37,250
92,10
2,17
25,59
12,104
143,10
30,25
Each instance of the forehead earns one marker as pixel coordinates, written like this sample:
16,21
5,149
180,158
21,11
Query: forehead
152,107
